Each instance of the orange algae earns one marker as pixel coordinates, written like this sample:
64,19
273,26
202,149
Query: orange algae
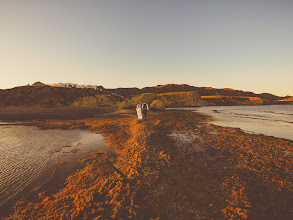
149,176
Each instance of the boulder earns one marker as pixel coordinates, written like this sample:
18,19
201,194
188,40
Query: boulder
157,105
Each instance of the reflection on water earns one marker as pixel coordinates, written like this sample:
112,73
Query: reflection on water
28,158
273,120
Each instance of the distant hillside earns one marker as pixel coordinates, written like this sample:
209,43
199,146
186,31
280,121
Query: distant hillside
43,95
46,96
172,99
202,91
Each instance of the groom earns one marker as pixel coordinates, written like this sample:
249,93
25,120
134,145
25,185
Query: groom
144,109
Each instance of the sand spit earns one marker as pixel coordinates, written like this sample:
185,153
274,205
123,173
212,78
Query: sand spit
235,175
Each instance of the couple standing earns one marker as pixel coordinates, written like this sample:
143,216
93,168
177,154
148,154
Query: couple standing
141,111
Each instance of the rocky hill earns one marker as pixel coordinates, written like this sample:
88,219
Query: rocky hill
172,99
202,91
171,95
46,96
235,100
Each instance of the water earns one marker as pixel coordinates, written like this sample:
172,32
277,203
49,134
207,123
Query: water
272,120
28,157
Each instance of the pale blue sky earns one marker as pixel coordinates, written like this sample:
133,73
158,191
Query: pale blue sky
240,44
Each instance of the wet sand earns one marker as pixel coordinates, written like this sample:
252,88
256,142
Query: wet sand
172,166
30,158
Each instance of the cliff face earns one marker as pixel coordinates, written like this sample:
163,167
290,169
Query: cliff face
173,99
139,99
233,100
180,99
47,96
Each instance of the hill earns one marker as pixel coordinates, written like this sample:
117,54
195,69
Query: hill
46,96
171,95
202,91
171,99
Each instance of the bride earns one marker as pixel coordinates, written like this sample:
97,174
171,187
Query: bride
139,112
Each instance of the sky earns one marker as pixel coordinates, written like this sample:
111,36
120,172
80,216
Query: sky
239,44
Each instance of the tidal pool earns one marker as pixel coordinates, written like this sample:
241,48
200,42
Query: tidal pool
28,156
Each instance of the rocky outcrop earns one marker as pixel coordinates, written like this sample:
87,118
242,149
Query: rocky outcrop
157,105
139,99
173,99
233,100
202,91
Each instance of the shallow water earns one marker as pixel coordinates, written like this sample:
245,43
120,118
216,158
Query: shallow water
272,120
28,157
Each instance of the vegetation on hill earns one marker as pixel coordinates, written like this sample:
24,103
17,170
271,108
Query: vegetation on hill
233,100
46,96
157,105
38,84
172,95
173,99
180,99
202,91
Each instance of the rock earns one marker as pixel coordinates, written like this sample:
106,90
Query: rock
233,100
180,99
143,98
157,105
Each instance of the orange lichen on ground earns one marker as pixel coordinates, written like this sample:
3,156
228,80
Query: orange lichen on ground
150,175
104,188
238,205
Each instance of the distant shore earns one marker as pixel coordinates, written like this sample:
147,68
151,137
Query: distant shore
174,165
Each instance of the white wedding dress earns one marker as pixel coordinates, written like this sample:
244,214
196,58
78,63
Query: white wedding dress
139,112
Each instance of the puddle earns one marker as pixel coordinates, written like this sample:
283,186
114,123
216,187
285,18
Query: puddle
28,157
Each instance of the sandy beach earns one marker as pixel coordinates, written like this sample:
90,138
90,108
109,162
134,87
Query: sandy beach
175,165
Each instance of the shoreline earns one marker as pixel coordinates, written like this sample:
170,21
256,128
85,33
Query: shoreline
66,159
252,119
201,170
